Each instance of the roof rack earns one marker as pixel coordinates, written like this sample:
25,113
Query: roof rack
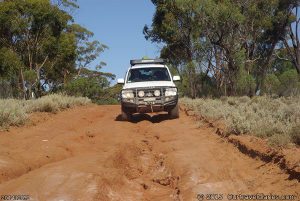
146,61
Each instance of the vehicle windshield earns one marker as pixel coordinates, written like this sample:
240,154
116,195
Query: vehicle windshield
148,74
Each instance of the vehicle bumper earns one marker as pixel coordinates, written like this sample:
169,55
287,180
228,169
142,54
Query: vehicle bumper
141,106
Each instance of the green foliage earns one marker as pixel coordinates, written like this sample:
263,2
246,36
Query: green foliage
86,87
289,82
279,65
88,52
110,95
220,38
205,86
30,76
245,83
284,82
66,3
95,88
9,62
272,84
32,30
41,44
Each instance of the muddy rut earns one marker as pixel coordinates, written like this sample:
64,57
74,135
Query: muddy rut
87,153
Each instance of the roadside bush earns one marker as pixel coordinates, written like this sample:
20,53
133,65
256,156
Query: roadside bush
95,89
15,112
110,96
272,84
245,83
244,99
290,83
85,87
12,113
54,103
295,134
280,140
275,119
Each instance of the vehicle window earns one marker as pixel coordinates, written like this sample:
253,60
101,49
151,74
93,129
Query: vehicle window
148,74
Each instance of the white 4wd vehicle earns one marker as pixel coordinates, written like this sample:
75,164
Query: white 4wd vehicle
149,87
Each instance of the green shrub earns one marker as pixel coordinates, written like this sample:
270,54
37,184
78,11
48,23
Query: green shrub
109,96
94,89
9,61
289,83
272,84
85,87
30,76
245,83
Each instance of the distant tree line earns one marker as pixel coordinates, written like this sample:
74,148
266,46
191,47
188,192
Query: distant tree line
230,47
42,50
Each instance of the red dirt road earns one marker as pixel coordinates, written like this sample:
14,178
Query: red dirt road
86,154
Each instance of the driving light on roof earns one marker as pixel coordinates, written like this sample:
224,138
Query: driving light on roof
146,61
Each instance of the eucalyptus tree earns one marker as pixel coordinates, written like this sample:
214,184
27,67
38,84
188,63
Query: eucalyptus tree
42,46
292,41
32,30
234,40
87,50
175,24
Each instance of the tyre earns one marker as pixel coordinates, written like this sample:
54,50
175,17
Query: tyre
174,112
126,116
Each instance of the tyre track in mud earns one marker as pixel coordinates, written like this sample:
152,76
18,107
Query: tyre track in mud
99,157
26,149
166,175
127,168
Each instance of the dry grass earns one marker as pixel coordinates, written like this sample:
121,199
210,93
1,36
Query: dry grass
54,103
275,119
12,112
15,112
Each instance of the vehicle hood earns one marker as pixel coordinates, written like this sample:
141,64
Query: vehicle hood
149,84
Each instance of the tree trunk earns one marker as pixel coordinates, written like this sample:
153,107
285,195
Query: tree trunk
219,76
192,80
231,77
22,84
297,62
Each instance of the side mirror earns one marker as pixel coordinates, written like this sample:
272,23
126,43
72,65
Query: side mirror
176,78
120,81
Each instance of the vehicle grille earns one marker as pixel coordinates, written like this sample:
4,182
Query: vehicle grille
149,92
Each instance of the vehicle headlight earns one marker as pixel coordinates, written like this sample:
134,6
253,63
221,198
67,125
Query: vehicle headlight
127,94
141,93
156,93
171,92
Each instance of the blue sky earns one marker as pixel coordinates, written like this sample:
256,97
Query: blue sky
119,25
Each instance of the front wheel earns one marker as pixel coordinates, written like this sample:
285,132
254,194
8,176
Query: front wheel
126,116
174,112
